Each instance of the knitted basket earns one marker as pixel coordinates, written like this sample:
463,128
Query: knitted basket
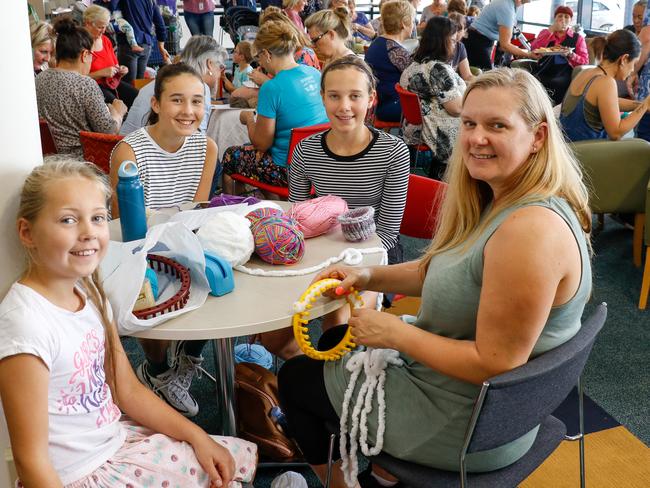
358,224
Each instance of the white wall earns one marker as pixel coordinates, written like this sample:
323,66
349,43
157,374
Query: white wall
20,149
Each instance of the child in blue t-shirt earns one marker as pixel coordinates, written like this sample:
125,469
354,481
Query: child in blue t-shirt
242,57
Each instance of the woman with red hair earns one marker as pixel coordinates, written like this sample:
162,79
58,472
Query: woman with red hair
555,71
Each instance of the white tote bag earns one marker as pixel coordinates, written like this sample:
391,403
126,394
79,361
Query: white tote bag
124,267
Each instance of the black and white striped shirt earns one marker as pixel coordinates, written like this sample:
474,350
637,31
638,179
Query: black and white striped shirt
377,176
168,178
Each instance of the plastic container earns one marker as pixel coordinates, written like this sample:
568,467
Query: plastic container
130,200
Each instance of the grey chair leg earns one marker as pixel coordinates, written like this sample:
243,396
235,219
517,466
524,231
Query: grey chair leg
582,434
330,455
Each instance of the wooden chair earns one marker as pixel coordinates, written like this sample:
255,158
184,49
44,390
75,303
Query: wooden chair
140,82
47,141
97,148
297,135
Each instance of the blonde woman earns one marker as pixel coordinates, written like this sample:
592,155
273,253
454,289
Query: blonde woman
514,218
388,58
42,37
329,31
290,99
293,8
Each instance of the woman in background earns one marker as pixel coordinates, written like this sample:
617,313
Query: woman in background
42,37
388,58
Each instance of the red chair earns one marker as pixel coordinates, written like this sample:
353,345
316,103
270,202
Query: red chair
47,141
412,113
97,148
423,200
297,135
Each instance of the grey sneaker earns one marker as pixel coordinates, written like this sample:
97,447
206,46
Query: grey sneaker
170,387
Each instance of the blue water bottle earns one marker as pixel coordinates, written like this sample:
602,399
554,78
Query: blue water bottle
130,199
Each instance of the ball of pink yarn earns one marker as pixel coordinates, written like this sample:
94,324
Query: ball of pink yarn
278,240
256,215
319,215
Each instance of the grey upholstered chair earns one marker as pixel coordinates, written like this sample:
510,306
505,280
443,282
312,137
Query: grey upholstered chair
508,406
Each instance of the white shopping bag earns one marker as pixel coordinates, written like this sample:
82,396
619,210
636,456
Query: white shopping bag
125,264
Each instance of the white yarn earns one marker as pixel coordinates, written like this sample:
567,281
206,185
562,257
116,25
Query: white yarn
228,235
374,363
349,256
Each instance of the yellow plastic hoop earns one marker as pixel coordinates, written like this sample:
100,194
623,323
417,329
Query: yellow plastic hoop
301,318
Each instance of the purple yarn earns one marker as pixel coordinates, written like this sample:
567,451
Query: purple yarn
225,199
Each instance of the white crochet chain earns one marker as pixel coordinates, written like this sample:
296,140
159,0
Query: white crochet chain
373,362
349,256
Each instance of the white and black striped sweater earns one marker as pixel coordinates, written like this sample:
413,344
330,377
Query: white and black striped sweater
377,176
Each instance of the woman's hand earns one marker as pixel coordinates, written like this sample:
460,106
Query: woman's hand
107,72
357,278
119,107
375,329
215,460
258,77
123,70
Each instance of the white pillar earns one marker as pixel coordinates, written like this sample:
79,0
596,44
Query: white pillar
20,150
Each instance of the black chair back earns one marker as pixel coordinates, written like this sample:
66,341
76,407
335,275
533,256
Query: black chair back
517,401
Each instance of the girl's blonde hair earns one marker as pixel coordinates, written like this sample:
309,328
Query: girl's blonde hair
96,12
552,171
394,14
289,3
337,20
274,14
277,37
33,198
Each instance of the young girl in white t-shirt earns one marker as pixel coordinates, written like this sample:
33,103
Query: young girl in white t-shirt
65,379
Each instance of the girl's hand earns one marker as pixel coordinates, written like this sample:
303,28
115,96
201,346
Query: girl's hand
349,276
375,329
216,461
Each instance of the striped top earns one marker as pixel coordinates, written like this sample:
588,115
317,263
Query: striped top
377,176
168,178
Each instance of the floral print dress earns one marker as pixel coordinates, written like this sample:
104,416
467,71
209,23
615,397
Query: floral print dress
436,83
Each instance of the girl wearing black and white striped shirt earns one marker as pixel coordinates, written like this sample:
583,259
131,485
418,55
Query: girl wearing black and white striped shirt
363,166
359,164
176,164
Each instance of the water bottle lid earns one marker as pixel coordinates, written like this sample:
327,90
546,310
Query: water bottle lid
128,169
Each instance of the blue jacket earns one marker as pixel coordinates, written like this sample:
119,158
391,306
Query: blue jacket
142,15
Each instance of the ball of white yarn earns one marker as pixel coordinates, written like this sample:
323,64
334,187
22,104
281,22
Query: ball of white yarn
228,235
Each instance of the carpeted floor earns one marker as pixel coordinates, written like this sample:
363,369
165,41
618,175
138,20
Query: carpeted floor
616,379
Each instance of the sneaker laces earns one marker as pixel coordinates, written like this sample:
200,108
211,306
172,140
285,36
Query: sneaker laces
186,369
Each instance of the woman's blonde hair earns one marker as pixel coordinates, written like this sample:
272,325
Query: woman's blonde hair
277,37
273,13
40,33
96,12
33,198
289,3
552,171
337,20
394,14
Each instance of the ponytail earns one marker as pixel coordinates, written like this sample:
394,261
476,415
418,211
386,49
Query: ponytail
278,38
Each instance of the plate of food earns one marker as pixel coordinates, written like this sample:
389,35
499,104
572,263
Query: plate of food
553,50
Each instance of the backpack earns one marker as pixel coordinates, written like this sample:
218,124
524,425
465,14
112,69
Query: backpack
256,390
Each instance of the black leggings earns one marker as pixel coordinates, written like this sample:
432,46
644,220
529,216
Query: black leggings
305,403
479,50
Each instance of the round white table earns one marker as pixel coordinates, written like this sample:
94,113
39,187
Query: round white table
225,129
257,304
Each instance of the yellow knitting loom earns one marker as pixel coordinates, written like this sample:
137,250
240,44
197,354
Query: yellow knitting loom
301,318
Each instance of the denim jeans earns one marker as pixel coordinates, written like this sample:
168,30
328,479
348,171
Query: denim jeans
200,23
136,62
